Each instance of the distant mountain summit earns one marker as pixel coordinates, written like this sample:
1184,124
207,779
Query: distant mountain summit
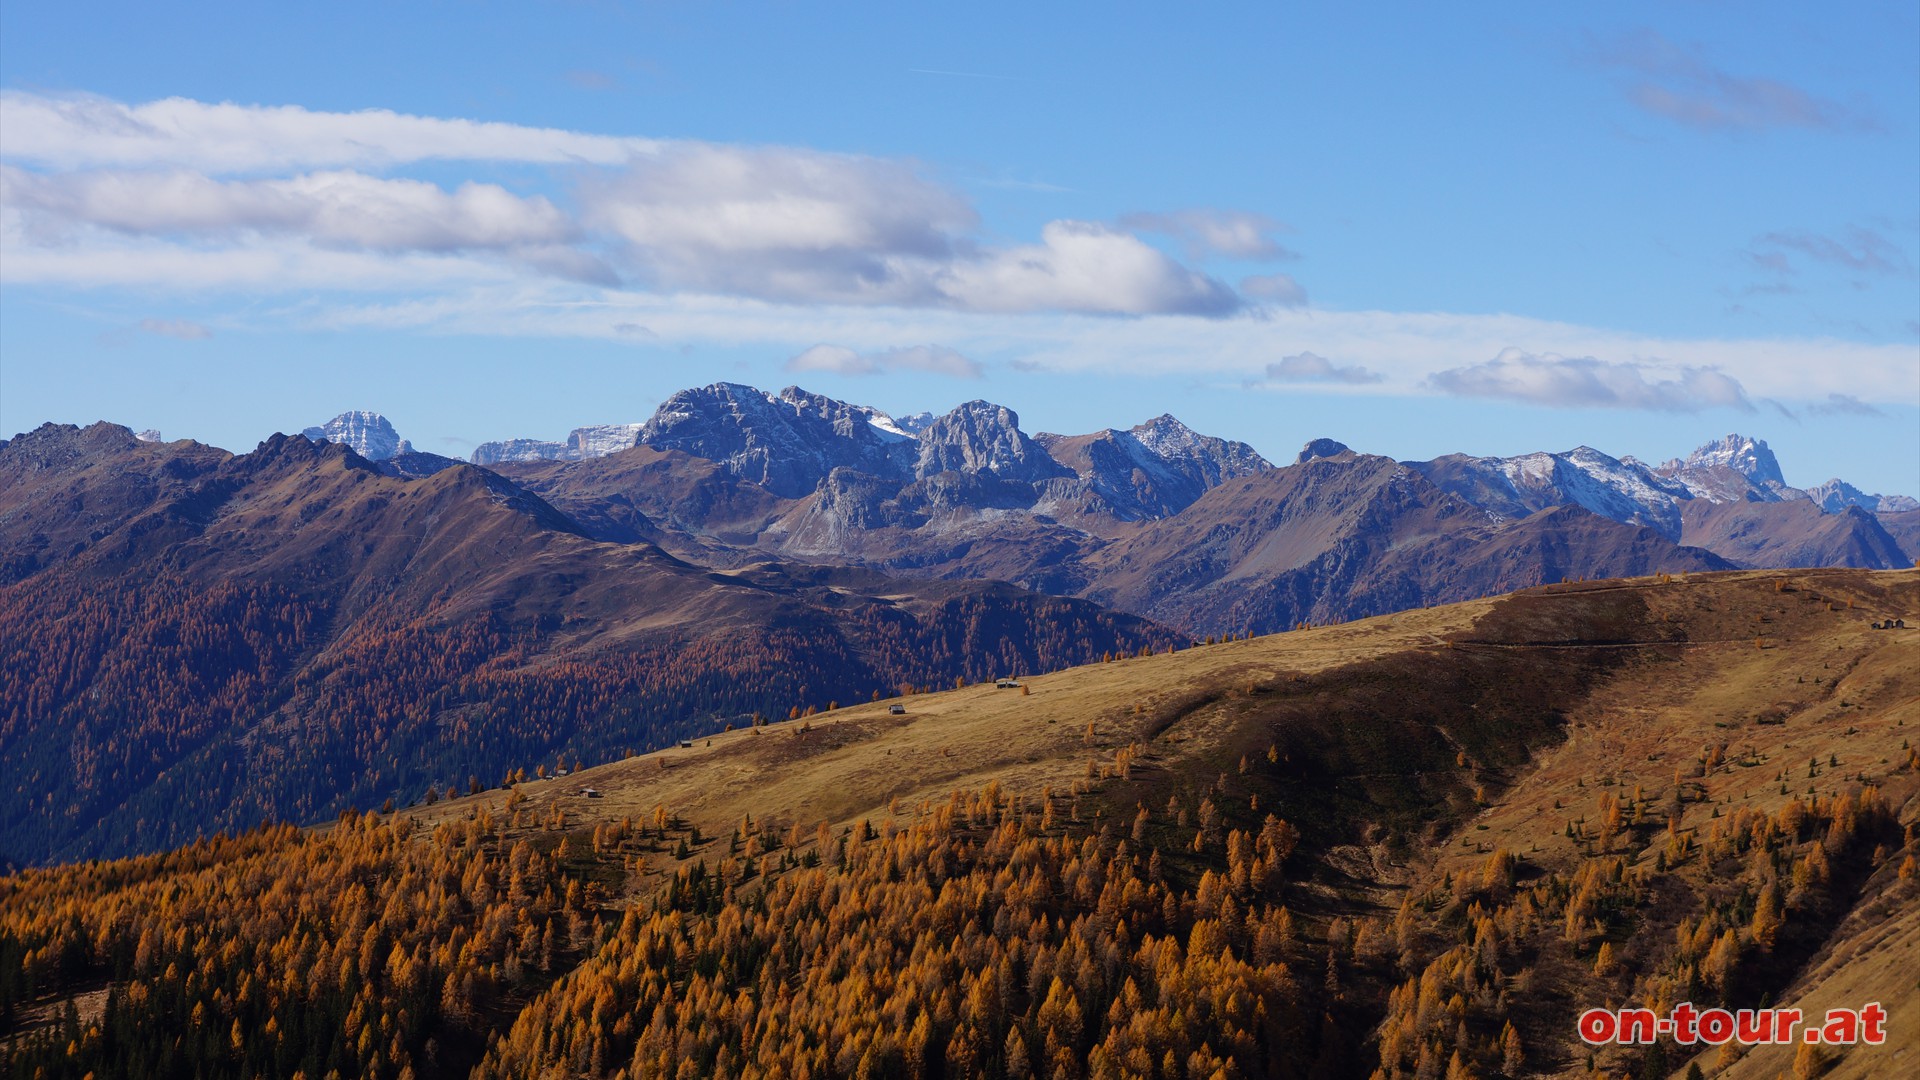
979,436
581,444
1513,487
787,442
1320,448
1836,495
367,433
1749,457
1152,470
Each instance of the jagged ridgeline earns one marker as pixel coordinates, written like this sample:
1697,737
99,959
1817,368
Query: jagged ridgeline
1160,520
191,640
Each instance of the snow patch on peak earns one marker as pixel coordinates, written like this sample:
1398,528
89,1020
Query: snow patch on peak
1166,435
913,423
1747,456
889,428
1624,491
583,443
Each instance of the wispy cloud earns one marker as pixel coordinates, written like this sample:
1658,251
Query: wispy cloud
1843,405
183,329
934,359
1280,289
964,74
586,79
1676,82
84,131
1312,367
1585,382
1404,348
1859,250
1236,234
340,209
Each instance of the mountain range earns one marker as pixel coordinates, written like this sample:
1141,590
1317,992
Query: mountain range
1159,520
1163,521
196,639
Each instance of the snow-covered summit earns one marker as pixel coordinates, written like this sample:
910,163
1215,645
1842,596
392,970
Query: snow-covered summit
366,433
1621,489
1747,456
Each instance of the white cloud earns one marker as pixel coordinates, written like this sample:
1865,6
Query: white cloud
770,223
779,222
1312,367
1404,348
1278,289
183,329
1585,382
79,131
777,247
799,225
1236,234
339,209
1087,267
101,259
935,359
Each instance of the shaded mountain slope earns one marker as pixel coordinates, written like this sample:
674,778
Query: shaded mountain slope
1352,535
1904,527
1791,534
292,631
1152,470
63,488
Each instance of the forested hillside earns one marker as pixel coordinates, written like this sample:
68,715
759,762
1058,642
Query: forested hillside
286,634
1400,848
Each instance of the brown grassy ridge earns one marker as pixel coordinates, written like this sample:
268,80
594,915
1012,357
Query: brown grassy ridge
1458,891
1409,749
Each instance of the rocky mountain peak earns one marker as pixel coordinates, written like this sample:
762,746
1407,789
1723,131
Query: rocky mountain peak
857,422
1166,433
913,423
1836,495
787,442
582,444
1320,448
979,436
365,433
1747,456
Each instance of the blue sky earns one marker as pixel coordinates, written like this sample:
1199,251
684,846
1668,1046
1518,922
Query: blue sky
1418,229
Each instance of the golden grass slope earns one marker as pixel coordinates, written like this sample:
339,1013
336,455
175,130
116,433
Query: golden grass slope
1717,693
1801,656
